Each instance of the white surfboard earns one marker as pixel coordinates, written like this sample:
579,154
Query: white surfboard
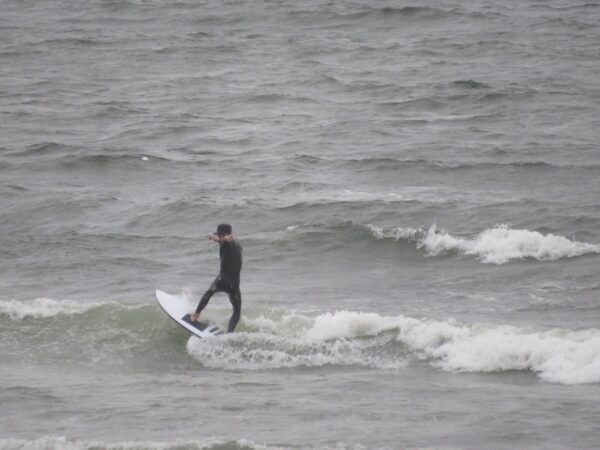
179,310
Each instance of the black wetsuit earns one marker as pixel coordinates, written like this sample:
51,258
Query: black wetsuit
228,280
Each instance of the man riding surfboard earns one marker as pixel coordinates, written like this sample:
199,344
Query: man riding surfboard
228,280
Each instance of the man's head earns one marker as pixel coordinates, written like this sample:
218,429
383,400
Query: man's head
223,229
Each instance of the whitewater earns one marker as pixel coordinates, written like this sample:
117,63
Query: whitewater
498,245
274,339
415,187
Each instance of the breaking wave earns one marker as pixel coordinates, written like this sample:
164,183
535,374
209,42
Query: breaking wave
498,245
269,339
43,308
389,342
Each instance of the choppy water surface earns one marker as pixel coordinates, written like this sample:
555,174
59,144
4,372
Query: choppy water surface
415,186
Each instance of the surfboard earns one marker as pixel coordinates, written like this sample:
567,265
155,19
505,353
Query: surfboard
178,310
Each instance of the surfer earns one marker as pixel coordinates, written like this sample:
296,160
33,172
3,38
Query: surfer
228,280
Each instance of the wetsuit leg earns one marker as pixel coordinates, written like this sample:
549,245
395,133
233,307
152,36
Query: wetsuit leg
206,297
235,297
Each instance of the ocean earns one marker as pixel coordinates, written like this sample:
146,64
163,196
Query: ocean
415,186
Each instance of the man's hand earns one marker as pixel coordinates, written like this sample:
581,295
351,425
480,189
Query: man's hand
217,238
194,317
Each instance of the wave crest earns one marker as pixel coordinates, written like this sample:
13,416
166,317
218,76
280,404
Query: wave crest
558,356
42,308
348,338
341,339
498,245
272,339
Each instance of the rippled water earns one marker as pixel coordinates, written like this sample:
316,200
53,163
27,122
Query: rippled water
415,187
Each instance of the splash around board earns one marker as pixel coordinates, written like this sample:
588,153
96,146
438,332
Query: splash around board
178,310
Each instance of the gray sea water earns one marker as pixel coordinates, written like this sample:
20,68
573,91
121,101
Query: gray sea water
415,184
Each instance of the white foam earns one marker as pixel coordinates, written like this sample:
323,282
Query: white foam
62,443
497,245
395,233
372,340
560,356
294,340
42,308
342,196
47,307
347,324
363,196
261,351
501,244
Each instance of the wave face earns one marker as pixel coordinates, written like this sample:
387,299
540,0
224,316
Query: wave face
275,339
498,245
388,342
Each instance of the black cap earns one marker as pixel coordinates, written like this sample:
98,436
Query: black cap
223,228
